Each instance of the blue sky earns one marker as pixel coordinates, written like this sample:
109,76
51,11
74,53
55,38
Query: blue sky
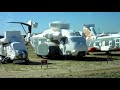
104,21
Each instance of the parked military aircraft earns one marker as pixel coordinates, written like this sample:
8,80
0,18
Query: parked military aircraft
12,47
57,40
28,32
104,42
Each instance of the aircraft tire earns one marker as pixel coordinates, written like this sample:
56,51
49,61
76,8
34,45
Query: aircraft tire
80,56
4,59
27,62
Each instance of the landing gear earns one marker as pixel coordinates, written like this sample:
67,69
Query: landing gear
80,55
1,58
27,61
108,53
4,59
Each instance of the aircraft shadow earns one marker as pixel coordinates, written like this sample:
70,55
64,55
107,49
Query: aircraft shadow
85,58
97,59
33,63
107,54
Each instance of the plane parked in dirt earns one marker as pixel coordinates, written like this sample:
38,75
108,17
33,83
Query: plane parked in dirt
104,42
58,40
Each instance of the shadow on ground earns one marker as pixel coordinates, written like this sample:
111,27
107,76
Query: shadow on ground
67,58
104,54
98,59
86,58
33,63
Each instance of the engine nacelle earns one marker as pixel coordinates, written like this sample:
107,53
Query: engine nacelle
54,35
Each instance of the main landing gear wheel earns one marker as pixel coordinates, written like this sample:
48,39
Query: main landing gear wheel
3,59
27,62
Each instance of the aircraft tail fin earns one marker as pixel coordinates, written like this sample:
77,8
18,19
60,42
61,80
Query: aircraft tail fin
89,31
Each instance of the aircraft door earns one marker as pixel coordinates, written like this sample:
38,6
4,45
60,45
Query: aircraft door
96,44
103,43
117,42
110,43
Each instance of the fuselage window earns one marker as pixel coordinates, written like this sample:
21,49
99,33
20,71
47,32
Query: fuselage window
90,44
99,43
96,43
106,43
42,40
117,40
110,43
77,34
65,40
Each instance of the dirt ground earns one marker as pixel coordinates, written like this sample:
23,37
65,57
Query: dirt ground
91,66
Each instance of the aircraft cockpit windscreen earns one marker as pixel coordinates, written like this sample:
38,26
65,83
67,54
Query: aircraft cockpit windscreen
1,36
75,34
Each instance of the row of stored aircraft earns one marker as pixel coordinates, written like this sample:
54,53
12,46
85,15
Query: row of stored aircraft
103,42
59,39
95,42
